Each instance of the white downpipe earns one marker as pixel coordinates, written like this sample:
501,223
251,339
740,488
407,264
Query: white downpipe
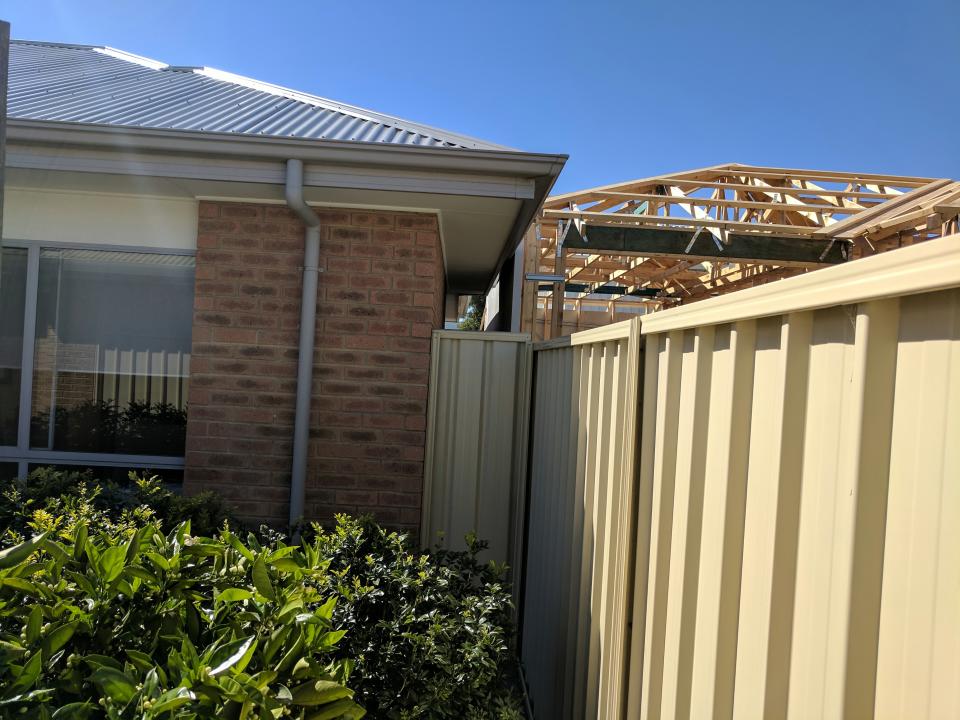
308,317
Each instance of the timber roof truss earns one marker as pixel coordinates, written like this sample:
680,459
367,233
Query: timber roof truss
689,235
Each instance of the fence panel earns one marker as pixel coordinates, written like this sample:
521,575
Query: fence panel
800,554
580,531
476,453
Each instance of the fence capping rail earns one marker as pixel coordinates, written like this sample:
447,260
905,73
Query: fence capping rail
616,331
485,335
924,267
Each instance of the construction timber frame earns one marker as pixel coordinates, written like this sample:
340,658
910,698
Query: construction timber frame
610,253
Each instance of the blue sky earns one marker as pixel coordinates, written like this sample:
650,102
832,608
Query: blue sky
627,89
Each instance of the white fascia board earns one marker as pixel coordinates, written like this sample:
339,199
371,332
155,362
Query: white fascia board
209,144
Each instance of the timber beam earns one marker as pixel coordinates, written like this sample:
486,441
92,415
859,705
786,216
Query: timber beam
694,245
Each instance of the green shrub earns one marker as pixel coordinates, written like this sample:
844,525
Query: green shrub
72,496
138,624
430,633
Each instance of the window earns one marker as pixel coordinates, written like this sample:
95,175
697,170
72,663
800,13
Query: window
13,278
171,479
110,333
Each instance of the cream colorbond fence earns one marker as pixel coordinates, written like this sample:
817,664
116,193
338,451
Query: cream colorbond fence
476,454
802,464
783,538
580,525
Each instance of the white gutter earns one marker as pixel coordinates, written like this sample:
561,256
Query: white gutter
293,192
336,152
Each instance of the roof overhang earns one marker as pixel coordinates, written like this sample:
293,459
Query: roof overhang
485,198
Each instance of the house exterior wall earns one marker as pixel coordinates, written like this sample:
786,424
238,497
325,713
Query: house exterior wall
381,295
100,218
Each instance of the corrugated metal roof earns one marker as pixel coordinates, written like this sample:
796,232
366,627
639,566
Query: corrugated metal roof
100,85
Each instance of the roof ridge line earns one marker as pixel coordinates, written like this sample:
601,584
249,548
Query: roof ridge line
102,49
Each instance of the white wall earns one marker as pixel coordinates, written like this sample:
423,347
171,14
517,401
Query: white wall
100,218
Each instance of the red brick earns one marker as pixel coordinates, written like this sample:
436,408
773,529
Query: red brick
379,327
213,287
349,264
344,326
391,297
393,237
236,303
419,222
234,335
373,218
349,296
381,294
258,290
414,314
244,211
230,272
395,267
365,342
240,243
370,281
368,405
395,499
410,344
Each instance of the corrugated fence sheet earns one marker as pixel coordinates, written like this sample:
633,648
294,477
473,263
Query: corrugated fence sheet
799,544
477,441
578,584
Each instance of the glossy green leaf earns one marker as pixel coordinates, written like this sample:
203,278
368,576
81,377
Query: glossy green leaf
159,560
261,579
319,692
98,661
73,711
26,677
325,611
285,564
339,709
34,623
142,661
80,541
229,595
57,638
233,655
112,562
329,639
24,586
18,553
172,699
116,685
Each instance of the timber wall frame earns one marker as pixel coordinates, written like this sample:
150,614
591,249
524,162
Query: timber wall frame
650,244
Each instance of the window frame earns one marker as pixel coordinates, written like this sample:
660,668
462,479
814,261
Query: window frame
22,453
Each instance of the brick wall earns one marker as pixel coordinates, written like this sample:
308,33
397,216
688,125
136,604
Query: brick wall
381,294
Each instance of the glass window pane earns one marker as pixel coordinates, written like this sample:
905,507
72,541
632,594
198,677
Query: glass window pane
112,353
13,283
171,479
8,472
